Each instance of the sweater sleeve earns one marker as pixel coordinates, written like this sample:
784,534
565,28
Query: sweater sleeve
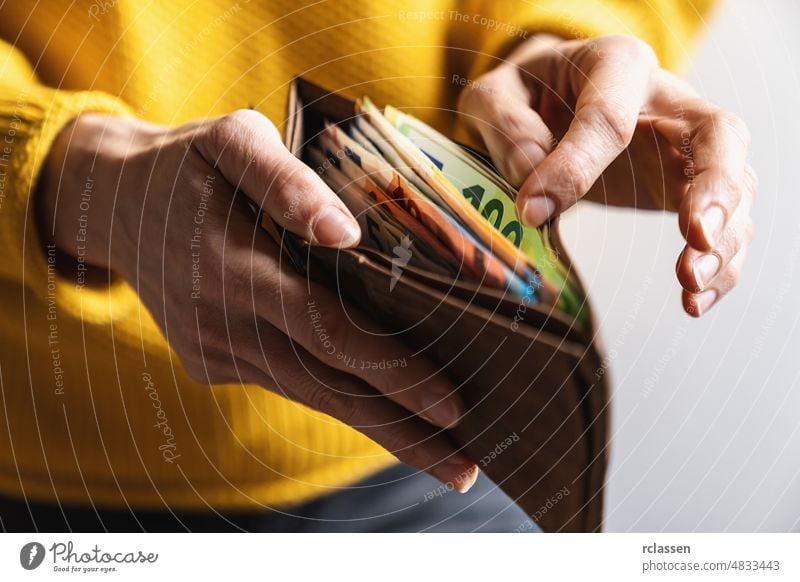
669,26
31,116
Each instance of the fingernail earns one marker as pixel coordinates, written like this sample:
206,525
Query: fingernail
334,228
458,475
711,222
439,409
705,269
537,210
705,300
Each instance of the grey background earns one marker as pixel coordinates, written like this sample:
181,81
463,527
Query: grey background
706,413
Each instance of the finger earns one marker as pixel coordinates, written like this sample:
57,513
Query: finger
714,145
346,341
698,304
696,270
719,146
498,107
648,175
352,402
342,341
247,149
612,88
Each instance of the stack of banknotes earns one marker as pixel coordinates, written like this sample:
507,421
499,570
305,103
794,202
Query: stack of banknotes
421,197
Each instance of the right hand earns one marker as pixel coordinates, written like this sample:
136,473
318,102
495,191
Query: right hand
184,238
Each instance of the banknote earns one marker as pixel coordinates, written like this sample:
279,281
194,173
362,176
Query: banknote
369,138
493,197
376,175
380,230
478,226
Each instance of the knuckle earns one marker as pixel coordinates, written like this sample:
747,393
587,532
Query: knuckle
238,284
504,121
468,99
574,174
721,122
209,335
400,440
685,273
266,286
397,443
247,373
223,130
726,188
351,408
293,379
731,242
328,400
734,125
730,188
686,279
631,48
751,180
237,124
749,232
319,332
245,119
400,384
520,159
344,338
615,123
731,278
286,184
477,96
207,278
303,327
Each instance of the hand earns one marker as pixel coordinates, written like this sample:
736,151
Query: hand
564,120
175,202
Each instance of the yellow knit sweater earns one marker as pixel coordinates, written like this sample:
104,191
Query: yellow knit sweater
95,406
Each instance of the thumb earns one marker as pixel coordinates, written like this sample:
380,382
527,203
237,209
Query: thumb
497,106
247,149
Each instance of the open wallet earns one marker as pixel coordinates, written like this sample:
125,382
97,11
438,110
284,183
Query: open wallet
529,370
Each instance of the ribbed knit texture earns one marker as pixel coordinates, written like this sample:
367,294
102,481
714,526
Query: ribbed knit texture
79,416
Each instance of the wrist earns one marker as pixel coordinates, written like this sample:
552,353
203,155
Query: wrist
81,192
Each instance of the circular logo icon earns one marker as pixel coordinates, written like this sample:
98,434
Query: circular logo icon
31,555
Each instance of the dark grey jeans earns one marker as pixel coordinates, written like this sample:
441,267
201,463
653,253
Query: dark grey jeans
398,499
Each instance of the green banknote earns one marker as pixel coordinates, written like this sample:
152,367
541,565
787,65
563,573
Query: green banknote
493,198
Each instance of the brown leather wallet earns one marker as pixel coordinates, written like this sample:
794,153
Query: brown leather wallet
533,382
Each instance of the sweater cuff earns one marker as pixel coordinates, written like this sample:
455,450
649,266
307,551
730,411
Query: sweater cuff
30,120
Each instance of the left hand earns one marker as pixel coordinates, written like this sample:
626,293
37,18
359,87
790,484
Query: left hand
599,119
